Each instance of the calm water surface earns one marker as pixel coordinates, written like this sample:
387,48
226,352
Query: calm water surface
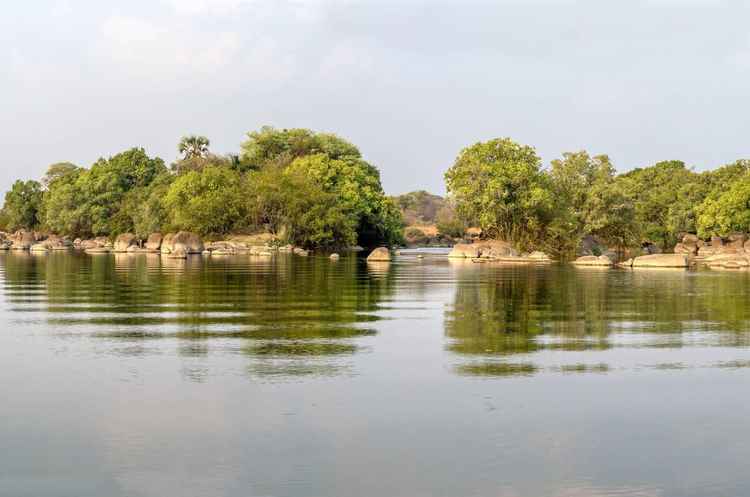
141,376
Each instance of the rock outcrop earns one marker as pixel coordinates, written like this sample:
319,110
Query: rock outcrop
124,241
185,241
661,261
380,254
732,252
22,240
177,250
494,250
465,250
153,244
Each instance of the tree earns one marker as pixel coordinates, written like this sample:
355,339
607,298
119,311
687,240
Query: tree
295,207
193,146
58,171
84,202
357,186
22,205
269,146
727,211
572,179
499,184
610,215
664,200
207,202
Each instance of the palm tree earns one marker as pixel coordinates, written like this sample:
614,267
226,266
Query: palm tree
193,146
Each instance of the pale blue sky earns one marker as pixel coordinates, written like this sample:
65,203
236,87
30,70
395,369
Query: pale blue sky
410,82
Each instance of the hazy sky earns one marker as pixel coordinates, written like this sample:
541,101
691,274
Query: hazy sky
409,82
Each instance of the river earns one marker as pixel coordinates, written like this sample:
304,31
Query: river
288,376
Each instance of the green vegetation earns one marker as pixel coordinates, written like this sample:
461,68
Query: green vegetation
501,187
311,189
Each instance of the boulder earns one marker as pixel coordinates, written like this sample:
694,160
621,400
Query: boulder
98,242
716,241
22,240
153,244
727,260
736,240
539,256
691,239
496,249
178,251
686,248
627,263
298,251
98,250
706,251
124,241
592,260
464,250
188,242
380,254
334,257
661,260
39,247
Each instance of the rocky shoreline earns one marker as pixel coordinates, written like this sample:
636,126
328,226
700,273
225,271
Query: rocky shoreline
732,252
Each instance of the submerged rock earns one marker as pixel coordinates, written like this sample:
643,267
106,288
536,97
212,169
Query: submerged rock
380,254
592,260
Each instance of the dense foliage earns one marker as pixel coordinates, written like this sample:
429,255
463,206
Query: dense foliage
501,187
311,189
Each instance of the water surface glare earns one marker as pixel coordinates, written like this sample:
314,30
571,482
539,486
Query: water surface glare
243,376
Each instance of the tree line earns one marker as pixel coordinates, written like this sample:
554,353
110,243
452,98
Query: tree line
501,186
310,189
315,190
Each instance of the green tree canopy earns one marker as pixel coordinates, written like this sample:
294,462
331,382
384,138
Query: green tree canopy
85,202
726,211
206,202
500,185
270,146
573,179
23,203
193,146
297,209
665,196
